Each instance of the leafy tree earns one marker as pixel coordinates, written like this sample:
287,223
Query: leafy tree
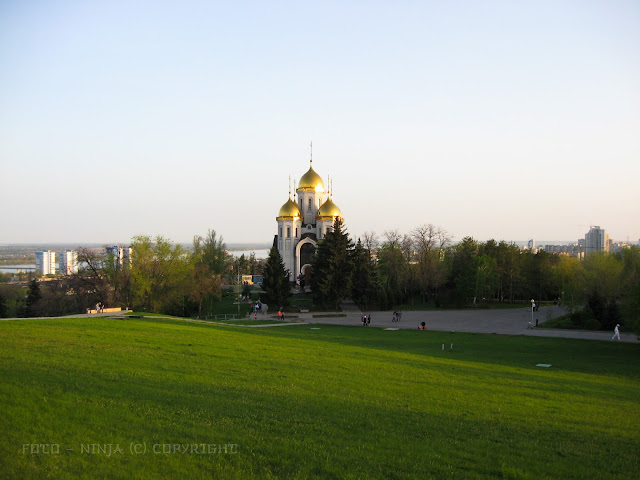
603,286
331,266
276,280
630,293
393,269
213,252
487,278
159,274
569,274
203,284
464,269
508,257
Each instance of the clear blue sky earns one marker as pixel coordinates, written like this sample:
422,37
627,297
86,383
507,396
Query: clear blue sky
497,119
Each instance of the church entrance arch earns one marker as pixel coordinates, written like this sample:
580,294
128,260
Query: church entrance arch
305,250
306,271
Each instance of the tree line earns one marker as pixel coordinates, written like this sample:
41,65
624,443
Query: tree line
423,268
161,277
419,269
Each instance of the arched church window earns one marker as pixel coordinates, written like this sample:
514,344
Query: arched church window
280,232
288,232
310,203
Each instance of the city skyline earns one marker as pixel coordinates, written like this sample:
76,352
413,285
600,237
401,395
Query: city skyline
495,120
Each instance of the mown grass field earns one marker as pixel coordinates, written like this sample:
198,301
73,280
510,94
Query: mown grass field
338,402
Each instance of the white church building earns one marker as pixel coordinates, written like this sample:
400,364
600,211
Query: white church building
302,221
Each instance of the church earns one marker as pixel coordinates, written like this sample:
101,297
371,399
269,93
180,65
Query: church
302,222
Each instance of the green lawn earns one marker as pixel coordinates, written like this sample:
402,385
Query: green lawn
292,402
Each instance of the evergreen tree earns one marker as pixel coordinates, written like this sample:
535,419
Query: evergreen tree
276,281
332,266
3,306
365,286
33,297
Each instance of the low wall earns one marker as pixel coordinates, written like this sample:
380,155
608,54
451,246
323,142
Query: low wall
104,310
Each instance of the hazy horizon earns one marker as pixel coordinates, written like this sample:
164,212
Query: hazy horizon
504,120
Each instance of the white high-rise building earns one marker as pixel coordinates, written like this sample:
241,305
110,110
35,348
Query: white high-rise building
68,262
46,262
596,240
121,255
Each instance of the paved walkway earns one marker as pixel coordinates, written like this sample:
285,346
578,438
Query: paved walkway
511,321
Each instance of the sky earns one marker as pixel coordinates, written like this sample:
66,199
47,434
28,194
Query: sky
494,119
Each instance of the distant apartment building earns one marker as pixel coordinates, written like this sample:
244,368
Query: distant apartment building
617,247
68,262
46,262
596,240
121,255
571,250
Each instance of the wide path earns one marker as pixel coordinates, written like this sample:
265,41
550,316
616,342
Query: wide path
512,321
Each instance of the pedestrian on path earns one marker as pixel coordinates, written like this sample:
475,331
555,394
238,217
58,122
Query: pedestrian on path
369,320
616,332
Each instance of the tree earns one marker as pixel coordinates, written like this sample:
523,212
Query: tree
91,284
33,297
213,252
331,266
487,277
159,273
603,286
430,241
276,280
364,277
393,269
370,241
631,286
203,284
3,306
464,269
569,274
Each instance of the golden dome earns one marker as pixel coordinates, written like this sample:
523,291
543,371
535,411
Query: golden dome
311,181
290,209
329,209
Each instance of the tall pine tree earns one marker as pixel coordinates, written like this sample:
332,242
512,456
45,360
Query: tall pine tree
365,286
331,265
276,281
33,296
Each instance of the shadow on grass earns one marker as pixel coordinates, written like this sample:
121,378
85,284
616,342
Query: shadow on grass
584,356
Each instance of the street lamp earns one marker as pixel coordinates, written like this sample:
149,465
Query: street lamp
533,303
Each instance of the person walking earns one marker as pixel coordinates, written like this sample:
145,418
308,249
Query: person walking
369,320
616,332
394,317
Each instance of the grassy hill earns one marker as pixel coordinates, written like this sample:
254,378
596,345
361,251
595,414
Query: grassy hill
163,398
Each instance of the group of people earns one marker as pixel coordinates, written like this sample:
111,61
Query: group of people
256,307
396,316
366,320
99,307
281,314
